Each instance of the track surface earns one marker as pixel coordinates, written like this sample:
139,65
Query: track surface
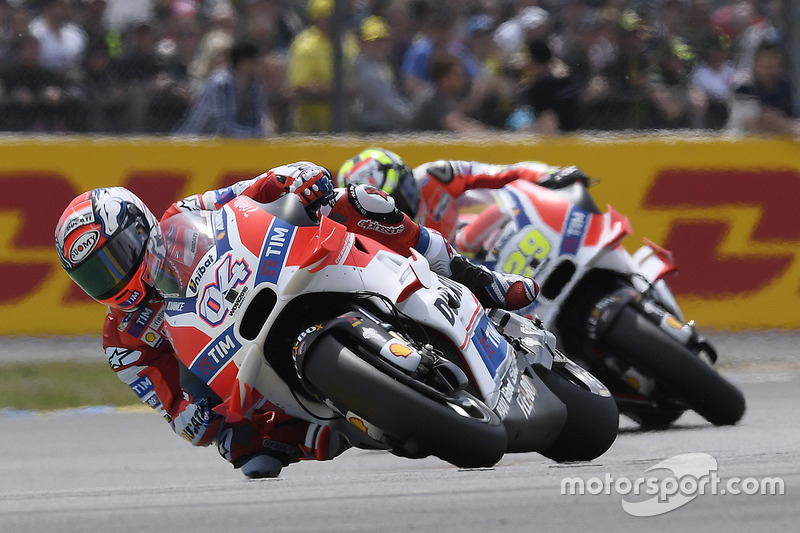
125,471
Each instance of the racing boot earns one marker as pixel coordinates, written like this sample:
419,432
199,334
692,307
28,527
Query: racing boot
263,446
493,289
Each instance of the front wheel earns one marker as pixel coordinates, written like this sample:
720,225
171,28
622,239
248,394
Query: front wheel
635,339
592,416
457,428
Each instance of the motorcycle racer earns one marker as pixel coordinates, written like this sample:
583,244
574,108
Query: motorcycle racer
112,247
433,192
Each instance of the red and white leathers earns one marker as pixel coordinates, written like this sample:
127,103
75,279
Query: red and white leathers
140,353
442,184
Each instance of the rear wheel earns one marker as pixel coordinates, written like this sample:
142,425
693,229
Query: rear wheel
635,339
457,428
592,416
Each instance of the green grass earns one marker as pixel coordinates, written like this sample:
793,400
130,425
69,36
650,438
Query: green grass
61,385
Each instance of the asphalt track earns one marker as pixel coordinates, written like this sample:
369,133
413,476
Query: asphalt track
110,470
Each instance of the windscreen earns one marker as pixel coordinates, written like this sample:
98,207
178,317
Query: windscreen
188,237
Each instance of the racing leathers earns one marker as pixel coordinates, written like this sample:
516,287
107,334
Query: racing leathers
443,184
139,351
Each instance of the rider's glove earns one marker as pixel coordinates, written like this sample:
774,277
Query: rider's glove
313,185
563,177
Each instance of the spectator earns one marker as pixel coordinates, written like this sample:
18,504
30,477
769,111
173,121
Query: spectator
15,24
137,69
232,103
764,104
36,99
672,101
92,20
169,90
212,53
530,23
311,69
550,93
491,93
61,41
436,34
107,96
715,75
614,98
379,105
436,108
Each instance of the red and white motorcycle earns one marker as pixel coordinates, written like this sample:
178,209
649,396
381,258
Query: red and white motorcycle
272,309
611,311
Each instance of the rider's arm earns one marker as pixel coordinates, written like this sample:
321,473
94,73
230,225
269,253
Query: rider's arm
145,361
460,176
305,179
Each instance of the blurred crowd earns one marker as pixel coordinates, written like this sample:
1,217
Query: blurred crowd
259,68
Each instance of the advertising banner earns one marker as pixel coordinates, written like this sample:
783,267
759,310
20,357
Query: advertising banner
726,208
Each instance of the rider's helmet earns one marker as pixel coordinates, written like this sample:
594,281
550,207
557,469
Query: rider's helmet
385,170
111,245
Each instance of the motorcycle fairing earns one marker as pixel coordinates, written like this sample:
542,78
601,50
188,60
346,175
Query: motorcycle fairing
293,260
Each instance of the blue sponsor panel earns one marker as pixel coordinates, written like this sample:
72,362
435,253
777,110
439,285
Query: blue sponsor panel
180,306
573,231
216,354
142,318
221,233
143,387
490,345
224,195
276,247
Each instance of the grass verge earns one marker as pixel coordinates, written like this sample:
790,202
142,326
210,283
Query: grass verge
61,385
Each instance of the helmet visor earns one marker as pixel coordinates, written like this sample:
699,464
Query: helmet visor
408,193
107,271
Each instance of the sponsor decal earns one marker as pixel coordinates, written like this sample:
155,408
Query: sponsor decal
399,350
126,320
143,387
199,272
372,225
244,207
83,246
190,203
86,216
119,357
371,333
441,205
223,196
135,295
142,319
238,302
275,250
152,338
216,355
575,227
507,391
178,306
228,275
490,344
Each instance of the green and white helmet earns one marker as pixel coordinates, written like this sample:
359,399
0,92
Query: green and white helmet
385,170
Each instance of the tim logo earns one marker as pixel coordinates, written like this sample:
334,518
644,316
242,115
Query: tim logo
573,233
229,274
216,355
